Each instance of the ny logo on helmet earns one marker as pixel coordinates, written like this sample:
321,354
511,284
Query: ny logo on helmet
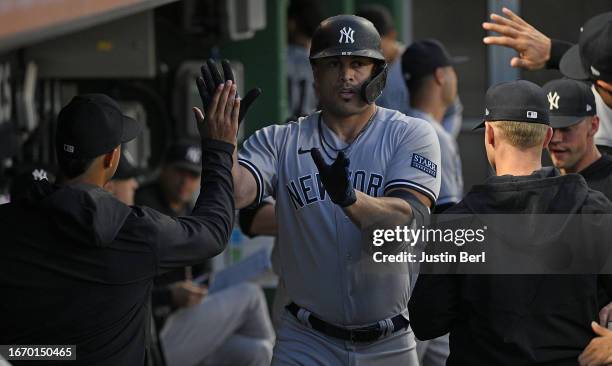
347,35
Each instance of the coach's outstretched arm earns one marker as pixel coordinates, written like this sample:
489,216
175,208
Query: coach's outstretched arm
205,232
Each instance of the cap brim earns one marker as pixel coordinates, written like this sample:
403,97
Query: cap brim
456,60
571,64
564,121
340,51
131,129
479,126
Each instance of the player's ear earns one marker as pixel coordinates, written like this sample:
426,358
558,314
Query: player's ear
111,159
439,76
594,126
489,135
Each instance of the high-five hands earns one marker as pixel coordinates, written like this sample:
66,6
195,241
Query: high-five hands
224,108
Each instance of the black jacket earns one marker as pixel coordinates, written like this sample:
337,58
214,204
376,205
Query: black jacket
77,265
513,319
151,195
599,175
557,50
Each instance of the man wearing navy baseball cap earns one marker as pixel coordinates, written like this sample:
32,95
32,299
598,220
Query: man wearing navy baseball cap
77,264
91,125
591,60
573,116
489,320
429,75
431,79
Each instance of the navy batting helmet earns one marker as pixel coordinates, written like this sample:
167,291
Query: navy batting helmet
350,35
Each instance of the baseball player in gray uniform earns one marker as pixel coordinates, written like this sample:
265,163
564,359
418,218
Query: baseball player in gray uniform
337,174
432,82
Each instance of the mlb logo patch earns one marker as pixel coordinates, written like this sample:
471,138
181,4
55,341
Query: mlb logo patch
423,164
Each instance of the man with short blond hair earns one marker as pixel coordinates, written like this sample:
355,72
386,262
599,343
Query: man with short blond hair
495,319
519,134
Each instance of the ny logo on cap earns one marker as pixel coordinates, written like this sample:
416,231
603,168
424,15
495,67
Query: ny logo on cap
553,100
588,108
39,174
595,72
194,154
347,35
486,111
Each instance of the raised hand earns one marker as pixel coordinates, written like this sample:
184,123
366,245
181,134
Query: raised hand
335,178
211,78
221,120
533,47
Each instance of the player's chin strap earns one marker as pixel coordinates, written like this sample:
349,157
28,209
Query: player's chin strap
371,89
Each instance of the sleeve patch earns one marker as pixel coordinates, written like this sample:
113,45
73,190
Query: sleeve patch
423,164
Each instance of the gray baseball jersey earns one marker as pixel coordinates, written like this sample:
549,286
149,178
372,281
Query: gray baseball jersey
451,188
321,248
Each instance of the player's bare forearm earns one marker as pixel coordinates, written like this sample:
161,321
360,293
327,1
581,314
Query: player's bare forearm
368,212
264,222
376,213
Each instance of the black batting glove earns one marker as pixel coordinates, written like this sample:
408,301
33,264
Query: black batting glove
211,78
335,178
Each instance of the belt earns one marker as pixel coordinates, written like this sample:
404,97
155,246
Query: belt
368,333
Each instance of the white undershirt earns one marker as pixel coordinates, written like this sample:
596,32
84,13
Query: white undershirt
604,135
